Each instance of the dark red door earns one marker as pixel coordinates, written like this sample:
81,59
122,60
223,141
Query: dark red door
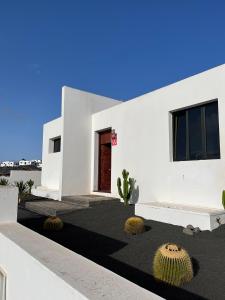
104,182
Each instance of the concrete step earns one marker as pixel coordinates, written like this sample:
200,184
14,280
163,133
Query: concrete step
89,200
52,207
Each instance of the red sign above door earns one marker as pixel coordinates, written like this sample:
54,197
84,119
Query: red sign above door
114,138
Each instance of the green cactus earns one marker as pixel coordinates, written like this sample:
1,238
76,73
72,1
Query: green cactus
172,264
53,223
126,191
223,199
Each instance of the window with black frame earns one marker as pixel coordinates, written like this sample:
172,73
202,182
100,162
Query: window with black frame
57,144
196,133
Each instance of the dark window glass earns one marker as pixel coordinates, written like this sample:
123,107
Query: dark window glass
180,135
212,130
57,145
196,133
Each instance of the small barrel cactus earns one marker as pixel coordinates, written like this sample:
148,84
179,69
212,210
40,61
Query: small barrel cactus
134,225
53,223
172,264
126,190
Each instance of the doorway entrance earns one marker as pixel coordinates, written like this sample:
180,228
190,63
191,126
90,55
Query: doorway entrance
104,161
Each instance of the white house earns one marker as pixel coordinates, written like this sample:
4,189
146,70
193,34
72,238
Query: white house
8,164
172,141
33,162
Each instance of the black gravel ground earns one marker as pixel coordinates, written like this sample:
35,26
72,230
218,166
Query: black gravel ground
97,233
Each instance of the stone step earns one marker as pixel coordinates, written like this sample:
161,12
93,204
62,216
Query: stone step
89,200
52,207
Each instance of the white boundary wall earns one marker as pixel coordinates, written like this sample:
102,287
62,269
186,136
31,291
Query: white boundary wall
18,175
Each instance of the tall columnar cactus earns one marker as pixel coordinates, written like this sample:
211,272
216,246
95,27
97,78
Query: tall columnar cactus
172,264
127,188
223,199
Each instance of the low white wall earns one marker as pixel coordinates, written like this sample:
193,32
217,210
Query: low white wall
24,176
8,204
144,148
51,162
38,268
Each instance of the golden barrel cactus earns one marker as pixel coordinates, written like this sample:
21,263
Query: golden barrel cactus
53,223
134,225
172,264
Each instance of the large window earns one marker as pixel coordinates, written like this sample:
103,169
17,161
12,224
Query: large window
196,133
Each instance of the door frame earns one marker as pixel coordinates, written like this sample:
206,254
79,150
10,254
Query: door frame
98,164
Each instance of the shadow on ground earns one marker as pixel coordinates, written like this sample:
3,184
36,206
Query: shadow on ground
100,249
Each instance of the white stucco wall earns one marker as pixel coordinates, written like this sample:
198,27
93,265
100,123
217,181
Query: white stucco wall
52,162
143,127
77,109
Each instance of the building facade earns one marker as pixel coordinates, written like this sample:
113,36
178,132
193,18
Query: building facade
171,140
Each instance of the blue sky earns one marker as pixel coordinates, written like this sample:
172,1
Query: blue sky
117,48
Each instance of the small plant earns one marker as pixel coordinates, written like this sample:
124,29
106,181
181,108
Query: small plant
22,189
172,264
4,181
125,191
30,184
134,225
53,223
223,199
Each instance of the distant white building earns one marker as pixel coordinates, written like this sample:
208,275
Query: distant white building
8,164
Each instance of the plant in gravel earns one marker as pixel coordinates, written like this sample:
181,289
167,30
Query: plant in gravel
134,225
53,223
4,181
30,184
22,189
125,191
223,199
172,264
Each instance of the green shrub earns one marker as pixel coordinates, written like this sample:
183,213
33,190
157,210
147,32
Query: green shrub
125,191
4,181
30,184
172,265
22,189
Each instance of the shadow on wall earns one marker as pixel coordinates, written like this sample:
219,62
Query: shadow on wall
135,193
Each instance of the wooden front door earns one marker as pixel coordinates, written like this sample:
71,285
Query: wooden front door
104,178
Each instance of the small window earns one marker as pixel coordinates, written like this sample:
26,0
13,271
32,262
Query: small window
57,145
196,133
